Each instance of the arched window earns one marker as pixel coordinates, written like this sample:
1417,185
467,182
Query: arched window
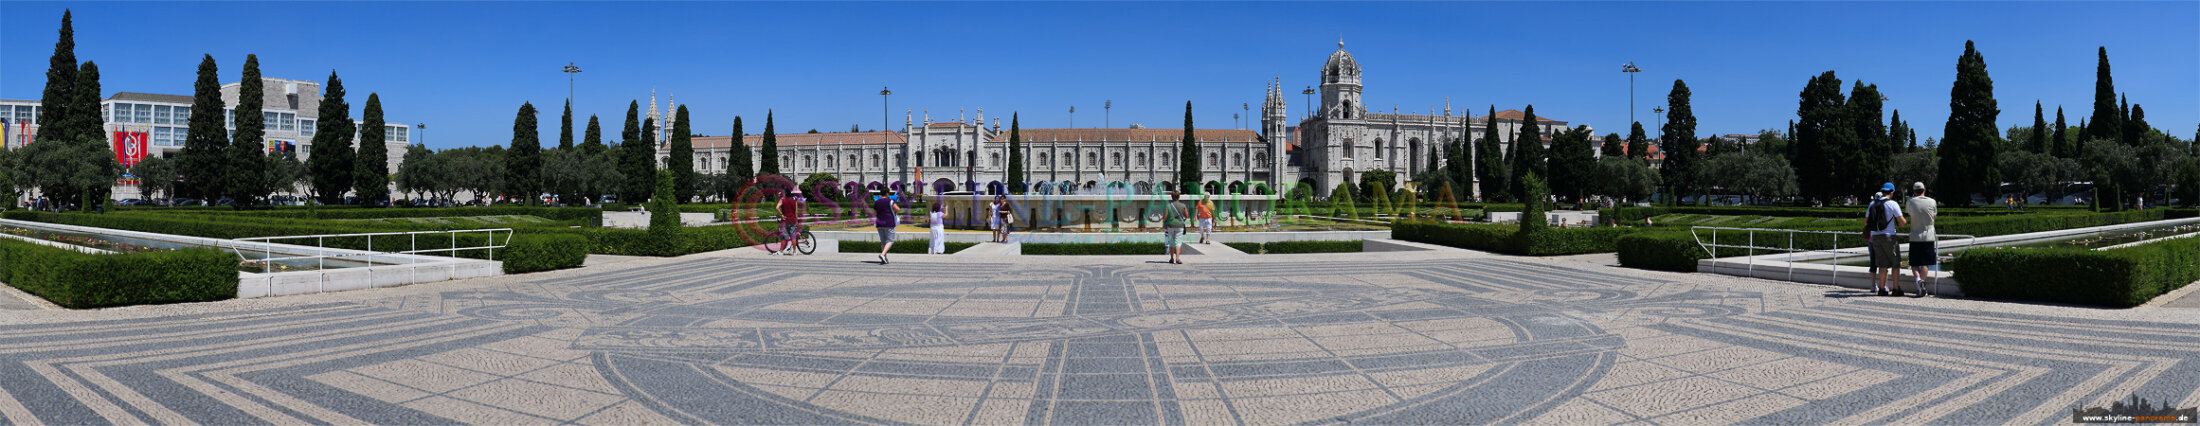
852,162
1115,159
1046,160
831,162
1260,160
874,160
1164,159
1211,160
1348,148
703,163
1237,160
994,160
1092,159
809,162
1141,159
1069,160
970,156
722,164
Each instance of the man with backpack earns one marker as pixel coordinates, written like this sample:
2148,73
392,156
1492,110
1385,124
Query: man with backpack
1880,220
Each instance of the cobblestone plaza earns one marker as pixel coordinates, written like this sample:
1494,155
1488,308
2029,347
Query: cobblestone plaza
1436,337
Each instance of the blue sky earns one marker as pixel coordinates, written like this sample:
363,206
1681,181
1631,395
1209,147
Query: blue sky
464,68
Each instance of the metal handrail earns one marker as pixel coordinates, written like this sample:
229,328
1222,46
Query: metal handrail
267,249
1710,248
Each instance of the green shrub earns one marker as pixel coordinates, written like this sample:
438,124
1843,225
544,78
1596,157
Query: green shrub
532,253
1566,241
2119,278
80,280
1509,239
1124,248
902,246
1289,247
1664,251
1248,248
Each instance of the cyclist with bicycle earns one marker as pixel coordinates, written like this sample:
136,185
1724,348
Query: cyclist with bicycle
790,223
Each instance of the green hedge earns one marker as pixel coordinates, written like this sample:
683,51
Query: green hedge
1508,239
1248,248
532,253
687,240
80,280
1127,248
902,246
1291,247
234,227
2119,278
1664,251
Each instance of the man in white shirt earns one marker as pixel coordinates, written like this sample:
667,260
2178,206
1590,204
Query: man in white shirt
1923,253
1880,220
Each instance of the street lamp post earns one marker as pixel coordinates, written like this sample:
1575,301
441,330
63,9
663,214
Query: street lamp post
1248,107
1073,116
1309,101
1660,111
1107,114
884,110
569,70
1630,70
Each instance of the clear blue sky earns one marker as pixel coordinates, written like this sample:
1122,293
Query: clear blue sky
464,68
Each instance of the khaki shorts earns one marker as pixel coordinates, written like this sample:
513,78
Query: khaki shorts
1884,252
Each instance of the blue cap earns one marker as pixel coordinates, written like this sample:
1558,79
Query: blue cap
1889,186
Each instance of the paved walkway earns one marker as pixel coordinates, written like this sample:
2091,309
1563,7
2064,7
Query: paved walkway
1435,337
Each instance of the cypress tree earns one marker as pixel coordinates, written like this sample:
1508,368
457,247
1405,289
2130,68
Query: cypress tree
91,158
206,140
592,139
682,159
1869,138
2039,143
55,102
1613,146
1528,152
373,174
2107,118
744,162
247,157
1824,156
1969,144
2135,129
2062,146
1638,141
1461,167
332,169
1680,139
565,127
1187,172
523,162
635,165
1017,182
1897,134
1490,165
771,147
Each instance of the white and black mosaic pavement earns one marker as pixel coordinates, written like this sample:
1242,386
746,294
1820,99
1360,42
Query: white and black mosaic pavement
1429,338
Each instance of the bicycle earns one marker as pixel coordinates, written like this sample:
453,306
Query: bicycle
805,242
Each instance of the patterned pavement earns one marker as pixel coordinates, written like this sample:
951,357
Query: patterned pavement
1443,337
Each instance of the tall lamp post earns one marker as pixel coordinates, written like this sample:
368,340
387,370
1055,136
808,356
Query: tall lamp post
883,109
1660,111
1073,116
1248,107
1107,114
569,71
1309,101
1630,69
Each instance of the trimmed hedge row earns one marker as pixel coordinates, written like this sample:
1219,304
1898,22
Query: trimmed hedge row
1296,247
552,213
901,246
534,253
1125,248
2122,277
1664,251
1509,240
81,280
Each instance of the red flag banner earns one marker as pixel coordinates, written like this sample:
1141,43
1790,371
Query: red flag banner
129,147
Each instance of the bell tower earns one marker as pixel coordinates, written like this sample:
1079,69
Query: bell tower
1341,86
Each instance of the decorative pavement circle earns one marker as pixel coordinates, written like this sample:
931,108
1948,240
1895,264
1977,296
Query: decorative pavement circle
747,340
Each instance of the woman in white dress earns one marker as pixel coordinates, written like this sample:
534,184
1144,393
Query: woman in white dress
939,230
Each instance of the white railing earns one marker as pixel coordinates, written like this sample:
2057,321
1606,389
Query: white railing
321,253
1833,238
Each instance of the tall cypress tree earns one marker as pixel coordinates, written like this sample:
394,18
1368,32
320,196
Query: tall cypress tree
1529,156
1017,182
1823,154
2062,145
744,162
637,168
2107,122
1613,146
523,162
592,139
2135,128
1969,144
2039,143
771,147
1188,178
1460,170
332,168
203,167
565,126
247,152
1638,141
373,174
55,102
91,159
1490,165
1897,133
682,159
1869,135
1680,139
